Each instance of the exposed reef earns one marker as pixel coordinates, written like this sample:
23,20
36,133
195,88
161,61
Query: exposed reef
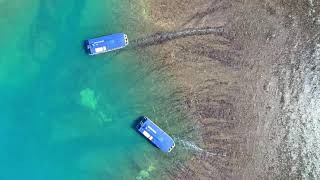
246,86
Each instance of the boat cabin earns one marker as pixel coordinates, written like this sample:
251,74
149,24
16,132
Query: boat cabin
156,135
106,43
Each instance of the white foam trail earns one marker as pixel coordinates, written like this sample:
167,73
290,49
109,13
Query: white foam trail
191,146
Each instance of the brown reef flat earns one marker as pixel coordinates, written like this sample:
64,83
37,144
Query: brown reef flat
243,86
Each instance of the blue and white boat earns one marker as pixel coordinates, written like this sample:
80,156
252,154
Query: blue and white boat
106,43
156,135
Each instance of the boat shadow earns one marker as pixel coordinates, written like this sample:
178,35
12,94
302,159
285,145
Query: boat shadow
135,123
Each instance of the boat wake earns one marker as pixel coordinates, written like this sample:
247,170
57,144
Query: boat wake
162,37
191,146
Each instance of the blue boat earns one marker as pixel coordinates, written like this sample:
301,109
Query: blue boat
106,43
156,135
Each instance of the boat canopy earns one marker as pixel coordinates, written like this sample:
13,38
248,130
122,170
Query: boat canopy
106,43
156,135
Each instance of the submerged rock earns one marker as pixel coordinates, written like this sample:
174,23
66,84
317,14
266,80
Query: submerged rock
104,118
145,174
88,98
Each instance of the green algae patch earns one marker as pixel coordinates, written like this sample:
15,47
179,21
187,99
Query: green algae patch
88,98
104,118
145,174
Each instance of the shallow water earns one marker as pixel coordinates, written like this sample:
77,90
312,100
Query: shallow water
64,114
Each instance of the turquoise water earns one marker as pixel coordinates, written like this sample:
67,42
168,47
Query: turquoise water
64,114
